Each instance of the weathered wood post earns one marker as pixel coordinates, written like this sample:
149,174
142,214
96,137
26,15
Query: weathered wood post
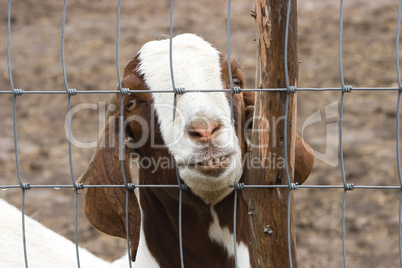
268,207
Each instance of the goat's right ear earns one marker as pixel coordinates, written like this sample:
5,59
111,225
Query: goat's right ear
105,207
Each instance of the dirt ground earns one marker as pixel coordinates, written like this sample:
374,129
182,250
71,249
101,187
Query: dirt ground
369,117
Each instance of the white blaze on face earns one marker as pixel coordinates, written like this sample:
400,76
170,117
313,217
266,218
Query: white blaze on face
196,65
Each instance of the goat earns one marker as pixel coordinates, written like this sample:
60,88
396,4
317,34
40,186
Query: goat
206,151
45,248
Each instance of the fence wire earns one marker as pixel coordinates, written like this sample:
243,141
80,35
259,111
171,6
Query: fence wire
17,93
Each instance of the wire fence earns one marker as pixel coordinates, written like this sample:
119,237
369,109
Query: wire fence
69,92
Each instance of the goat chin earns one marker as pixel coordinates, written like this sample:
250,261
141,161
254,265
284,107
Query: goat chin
213,189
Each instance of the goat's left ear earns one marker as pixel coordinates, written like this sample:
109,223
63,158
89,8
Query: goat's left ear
304,160
304,154
105,207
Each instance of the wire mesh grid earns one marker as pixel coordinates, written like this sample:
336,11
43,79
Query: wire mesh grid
24,186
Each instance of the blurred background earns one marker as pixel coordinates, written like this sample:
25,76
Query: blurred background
90,40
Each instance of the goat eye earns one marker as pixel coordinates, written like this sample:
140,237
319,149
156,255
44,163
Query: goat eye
236,82
131,105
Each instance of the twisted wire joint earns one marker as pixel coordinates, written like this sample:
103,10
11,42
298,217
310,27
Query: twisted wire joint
130,186
293,186
292,89
236,90
125,91
18,92
178,90
349,186
184,186
239,186
71,91
347,89
79,186
26,186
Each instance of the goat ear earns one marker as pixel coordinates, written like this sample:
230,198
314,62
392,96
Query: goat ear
86,174
131,80
249,100
304,160
105,207
304,155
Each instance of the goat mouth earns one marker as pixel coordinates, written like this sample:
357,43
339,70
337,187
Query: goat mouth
213,163
212,166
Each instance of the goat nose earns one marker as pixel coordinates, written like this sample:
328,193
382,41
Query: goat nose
202,131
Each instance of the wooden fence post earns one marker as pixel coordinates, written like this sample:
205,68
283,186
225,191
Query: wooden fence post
268,207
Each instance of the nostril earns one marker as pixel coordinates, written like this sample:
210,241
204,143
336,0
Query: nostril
203,131
194,133
216,129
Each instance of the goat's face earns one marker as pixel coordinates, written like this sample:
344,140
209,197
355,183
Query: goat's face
205,145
